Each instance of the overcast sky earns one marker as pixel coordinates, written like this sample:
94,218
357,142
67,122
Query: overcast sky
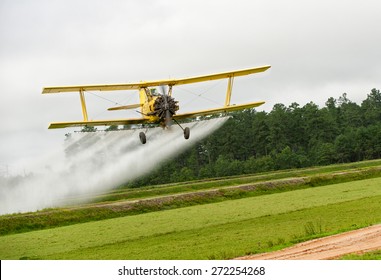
317,49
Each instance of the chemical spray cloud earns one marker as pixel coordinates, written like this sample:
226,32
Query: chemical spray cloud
91,163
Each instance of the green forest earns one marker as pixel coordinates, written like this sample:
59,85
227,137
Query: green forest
286,137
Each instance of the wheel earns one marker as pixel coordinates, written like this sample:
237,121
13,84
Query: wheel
186,133
142,137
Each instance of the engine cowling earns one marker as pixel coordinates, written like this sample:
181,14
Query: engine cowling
164,104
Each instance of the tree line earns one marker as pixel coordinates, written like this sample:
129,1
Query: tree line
287,137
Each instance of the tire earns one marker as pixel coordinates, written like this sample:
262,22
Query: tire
142,137
186,133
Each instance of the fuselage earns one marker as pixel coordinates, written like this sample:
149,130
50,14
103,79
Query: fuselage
156,108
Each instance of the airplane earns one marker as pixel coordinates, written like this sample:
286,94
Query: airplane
155,108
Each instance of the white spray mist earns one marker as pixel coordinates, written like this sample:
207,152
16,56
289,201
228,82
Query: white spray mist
90,163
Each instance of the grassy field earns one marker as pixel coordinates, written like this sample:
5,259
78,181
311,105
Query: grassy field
134,202
374,255
211,231
182,187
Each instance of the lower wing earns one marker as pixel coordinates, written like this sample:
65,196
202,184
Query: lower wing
98,123
220,110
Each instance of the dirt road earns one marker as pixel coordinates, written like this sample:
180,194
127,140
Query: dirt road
330,247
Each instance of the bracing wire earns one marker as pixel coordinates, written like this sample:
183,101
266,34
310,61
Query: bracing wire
104,98
200,95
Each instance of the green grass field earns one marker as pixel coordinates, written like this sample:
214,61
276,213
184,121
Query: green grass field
182,187
375,255
211,231
187,194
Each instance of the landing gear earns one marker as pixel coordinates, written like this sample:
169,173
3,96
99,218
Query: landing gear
186,133
185,130
142,137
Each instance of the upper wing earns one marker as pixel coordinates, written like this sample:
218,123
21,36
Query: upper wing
92,87
217,76
226,109
98,123
170,82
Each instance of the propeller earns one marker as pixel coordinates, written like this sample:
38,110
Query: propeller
168,113
163,90
167,106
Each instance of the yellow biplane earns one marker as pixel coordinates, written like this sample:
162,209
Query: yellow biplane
155,108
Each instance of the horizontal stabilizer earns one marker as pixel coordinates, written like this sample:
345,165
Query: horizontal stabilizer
126,107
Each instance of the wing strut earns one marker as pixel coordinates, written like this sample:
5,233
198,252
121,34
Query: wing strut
83,104
229,91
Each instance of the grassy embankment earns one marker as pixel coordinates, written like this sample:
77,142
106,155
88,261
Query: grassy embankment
173,196
374,255
217,230
319,171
